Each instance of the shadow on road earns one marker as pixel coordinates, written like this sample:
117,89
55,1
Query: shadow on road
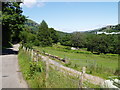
8,52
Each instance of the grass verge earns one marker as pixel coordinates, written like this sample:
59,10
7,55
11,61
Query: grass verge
32,73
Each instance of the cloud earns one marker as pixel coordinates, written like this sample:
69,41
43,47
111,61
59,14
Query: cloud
31,3
40,4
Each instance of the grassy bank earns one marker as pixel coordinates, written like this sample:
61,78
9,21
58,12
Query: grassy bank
102,65
35,75
61,80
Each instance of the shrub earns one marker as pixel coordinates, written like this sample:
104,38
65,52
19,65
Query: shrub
35,67
29,45
117,72
68,48
36,42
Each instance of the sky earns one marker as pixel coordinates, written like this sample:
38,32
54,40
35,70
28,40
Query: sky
72,16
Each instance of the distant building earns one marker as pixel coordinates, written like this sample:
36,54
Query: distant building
107,33
73,48
110,26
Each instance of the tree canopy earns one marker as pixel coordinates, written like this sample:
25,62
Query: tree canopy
44,35
12,22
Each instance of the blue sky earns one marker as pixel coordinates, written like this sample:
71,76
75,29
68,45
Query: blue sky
73,16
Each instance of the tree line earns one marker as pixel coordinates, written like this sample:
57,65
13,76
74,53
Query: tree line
95,43
15,30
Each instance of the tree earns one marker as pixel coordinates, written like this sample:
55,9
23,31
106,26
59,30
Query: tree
44,35
53,35
101,44
12,22
91,40
66,40
114,45
78,39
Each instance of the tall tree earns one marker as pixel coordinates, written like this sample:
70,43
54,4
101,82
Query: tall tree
12,22
53,35
78,39
44,35
66,40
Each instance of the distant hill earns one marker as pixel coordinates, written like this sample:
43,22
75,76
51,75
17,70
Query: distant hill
32,25
62,34
108,29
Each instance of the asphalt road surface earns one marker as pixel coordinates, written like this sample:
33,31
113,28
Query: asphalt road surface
11,76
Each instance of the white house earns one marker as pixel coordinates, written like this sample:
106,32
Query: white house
107,33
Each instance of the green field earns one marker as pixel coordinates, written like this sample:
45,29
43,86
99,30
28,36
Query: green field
102,65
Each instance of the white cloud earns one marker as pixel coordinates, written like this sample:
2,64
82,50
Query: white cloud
40,4
31,3
78,0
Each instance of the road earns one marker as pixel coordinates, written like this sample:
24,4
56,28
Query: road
11,75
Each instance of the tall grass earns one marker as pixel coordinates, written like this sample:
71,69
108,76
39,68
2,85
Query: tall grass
102,65
35,74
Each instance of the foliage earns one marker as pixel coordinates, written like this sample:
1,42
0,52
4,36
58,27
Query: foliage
66,40
103,43
53,35
61,34
33,73
32,25
44,35
35,67
27,37
12,22
93,42
28,45
78,39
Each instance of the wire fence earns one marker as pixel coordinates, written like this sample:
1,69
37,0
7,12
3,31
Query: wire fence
57,75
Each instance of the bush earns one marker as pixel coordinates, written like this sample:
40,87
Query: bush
117,72
68,48
36,42
29,45
35,67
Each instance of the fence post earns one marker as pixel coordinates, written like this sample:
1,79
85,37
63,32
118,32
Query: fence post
29,51
32,54
37,57
82,77
23,48
47,71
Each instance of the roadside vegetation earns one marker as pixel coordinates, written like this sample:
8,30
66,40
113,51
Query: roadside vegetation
35,75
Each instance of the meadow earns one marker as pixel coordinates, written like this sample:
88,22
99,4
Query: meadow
103,65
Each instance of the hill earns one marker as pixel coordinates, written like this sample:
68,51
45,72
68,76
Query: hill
107,29
32,25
